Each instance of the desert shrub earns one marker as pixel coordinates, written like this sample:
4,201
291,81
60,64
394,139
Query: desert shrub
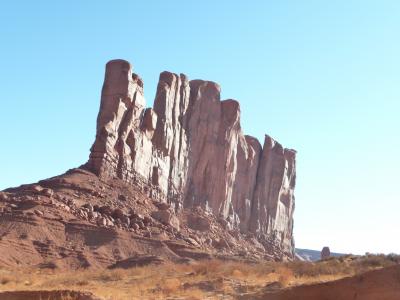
374,261
206,267
82,282
170,285
194,294
326,267
347,257
5,279
395,258
114,275
285,275
237,273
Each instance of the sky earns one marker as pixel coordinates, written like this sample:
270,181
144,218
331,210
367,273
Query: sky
319,76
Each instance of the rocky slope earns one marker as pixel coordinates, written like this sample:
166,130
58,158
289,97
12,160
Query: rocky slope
175,182
190,150
76,220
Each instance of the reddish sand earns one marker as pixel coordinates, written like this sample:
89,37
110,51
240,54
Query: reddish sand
49,295
383,284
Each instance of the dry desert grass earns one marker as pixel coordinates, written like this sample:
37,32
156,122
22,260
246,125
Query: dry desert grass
210,279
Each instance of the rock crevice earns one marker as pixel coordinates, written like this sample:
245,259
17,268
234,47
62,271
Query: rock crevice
190,150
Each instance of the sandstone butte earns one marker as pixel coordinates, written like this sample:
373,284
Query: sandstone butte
176,182
191,151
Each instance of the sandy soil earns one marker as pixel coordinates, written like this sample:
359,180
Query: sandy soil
372,277
381,284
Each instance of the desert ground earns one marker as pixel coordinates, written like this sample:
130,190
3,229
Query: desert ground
348,277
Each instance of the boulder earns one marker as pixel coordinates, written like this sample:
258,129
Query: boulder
126,220
89,207
47,192
167,218
136,216
147,220
102,221
105,210
200,223
141,225
92,215
71,203
162,205
135,226
117,213
38,212
3,196
37,188
65,207
83,213
109,222
122,197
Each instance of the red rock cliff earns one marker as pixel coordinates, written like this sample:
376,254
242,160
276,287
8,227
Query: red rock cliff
190,151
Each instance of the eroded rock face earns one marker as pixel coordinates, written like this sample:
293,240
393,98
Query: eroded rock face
189,150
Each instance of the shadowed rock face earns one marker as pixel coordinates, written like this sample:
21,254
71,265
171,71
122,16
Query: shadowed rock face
190,151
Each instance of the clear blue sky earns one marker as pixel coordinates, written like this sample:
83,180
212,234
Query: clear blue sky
319,76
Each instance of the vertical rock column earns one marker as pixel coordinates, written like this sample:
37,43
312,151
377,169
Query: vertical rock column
273,202
213,134
170,137
203,119
122,94
248,157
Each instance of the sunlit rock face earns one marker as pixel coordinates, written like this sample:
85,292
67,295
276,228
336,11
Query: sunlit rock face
189,150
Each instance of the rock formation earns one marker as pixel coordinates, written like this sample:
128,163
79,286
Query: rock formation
189,150
325,253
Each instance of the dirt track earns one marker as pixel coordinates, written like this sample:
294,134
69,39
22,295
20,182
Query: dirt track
49,295
381,284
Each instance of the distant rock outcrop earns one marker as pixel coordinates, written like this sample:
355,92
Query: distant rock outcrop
325,253
189,150
313,255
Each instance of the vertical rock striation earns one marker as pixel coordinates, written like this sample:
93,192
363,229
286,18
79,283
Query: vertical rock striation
190,150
